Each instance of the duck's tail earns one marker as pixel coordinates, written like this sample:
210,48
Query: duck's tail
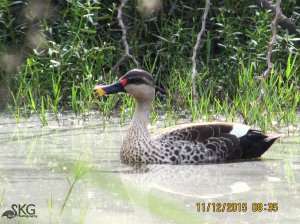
254,144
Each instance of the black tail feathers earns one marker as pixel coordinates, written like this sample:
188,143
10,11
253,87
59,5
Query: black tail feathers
254,144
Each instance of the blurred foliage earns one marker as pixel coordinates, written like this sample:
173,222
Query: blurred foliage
78,42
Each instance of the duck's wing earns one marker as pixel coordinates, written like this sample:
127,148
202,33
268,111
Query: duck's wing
201,132
234,141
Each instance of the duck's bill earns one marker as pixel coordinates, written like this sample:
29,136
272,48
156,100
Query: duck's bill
109,89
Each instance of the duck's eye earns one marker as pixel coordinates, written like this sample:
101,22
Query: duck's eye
137,81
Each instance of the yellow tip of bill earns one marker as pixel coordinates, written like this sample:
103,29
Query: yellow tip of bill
100,91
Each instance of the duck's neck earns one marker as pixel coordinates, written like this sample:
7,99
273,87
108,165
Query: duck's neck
140,118
137,138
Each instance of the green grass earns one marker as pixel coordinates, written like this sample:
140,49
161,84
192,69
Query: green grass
50,207
79,170
289,174
81,43
160,207
2,198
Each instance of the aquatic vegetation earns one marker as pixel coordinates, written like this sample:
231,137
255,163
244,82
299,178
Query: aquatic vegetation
50,207
2,198
162,208
80,170
78,44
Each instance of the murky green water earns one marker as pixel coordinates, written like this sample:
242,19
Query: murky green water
38,166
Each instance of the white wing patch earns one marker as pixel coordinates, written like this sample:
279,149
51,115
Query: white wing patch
239,130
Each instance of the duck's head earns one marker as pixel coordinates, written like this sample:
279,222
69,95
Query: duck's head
136,82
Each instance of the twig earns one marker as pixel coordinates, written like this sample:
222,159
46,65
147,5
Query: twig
266,74
127,54
283,21
196,48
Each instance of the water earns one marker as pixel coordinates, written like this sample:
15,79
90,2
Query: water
38,166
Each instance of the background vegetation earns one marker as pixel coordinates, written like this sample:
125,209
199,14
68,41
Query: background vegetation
53,52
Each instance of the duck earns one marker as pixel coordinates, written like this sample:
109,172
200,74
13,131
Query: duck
193,143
